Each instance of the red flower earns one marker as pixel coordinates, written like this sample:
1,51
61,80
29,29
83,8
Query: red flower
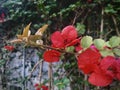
65,38
57,39
88,60
69,33
100,78
44,87
104,74
39,87
9,48
36,85
51,56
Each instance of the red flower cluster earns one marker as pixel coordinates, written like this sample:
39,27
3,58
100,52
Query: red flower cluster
9,48
101,71
67,37
38,87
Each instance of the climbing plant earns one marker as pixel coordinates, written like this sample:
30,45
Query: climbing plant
83,34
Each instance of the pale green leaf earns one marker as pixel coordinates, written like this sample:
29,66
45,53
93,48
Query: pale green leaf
114,41
99,43
106,52
116,51
86,41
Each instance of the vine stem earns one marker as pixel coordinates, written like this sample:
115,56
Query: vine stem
40,72
115,23
50,72
85,86
34,68
98,88
102,23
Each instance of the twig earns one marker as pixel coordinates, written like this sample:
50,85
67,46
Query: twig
34,68
115,23
85,16
85,86
105,36
40,72
50,77
74,20
102,23
98,88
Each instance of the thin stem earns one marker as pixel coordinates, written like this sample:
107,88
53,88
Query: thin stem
40,72
102,23
85,86
34,68
115,23
98,88
50,77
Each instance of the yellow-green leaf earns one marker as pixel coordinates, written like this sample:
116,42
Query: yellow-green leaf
116,51
99,43
106,52
86,41
114,41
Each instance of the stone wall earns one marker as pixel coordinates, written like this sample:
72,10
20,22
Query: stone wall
19,68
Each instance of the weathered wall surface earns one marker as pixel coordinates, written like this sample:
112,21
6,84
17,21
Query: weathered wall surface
20,66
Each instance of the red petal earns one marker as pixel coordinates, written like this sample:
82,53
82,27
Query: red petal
78,48
69,33
107,62
38,89
89,55
57,39
88,68
74,42
51,56
9,48
44,87
100,79
88,60
36,85
116,68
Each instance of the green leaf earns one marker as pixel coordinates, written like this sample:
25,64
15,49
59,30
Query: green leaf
114,41
66,81
80,28
108,44
116,51
86,41
106,52
2,62
70,49
99,43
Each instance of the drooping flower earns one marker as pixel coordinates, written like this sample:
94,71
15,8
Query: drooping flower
44,87
39,87
104,74
88,60
51,56
67,37
9,48
100,78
